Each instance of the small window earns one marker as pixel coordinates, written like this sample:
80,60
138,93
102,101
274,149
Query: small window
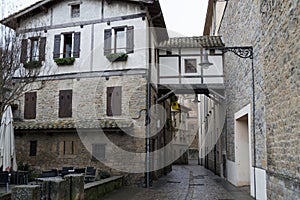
190,65
33,148
98,152
75,10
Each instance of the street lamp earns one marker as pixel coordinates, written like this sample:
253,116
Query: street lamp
204,60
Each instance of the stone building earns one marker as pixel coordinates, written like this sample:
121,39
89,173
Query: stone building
260,144
98,56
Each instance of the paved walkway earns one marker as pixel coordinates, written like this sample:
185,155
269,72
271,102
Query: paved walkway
185,182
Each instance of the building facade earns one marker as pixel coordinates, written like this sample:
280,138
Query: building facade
262,95
96,57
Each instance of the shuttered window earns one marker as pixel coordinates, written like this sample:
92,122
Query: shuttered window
65,103
114,101
119,40
33,148
30,105
33,49
98,151
71,45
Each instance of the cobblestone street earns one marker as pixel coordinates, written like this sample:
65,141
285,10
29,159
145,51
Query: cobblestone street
185,182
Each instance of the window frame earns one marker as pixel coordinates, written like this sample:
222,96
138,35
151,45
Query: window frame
74,8
190,65
33,148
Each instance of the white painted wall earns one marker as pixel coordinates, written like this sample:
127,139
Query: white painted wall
92,36
169,66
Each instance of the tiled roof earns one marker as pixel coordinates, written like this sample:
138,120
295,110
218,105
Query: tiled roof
72,124
193,42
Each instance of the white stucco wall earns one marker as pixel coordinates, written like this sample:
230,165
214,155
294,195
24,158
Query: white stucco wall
92,36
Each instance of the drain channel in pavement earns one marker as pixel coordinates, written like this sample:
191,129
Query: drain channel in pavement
173,181
196,184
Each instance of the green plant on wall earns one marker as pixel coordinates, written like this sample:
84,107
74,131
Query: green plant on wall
114,57
64,61
32,64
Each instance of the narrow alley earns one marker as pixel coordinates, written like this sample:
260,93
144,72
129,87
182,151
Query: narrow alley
185,182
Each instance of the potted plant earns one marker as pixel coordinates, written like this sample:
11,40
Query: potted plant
115,57
65,61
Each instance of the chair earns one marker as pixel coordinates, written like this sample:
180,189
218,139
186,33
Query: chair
90,174
80,170
47,174
66,171
4,179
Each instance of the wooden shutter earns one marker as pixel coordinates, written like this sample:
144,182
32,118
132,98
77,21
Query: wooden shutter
33,148
130,39
107,41
24,51
30,105
76,48
42,49
65,103
114,101
56,49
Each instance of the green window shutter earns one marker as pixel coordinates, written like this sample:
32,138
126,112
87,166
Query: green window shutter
130,39
76,48
42,49
56,49
107,41
23,51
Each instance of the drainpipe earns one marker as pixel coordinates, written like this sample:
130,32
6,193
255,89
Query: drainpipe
148,103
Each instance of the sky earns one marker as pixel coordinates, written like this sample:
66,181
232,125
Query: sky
182,17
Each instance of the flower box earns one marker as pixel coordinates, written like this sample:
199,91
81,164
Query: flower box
116,57
64,61
32,64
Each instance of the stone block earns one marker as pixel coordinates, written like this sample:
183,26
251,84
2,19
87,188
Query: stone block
26,192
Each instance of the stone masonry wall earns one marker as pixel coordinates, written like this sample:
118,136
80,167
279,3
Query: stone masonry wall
242,28
272,28
57,147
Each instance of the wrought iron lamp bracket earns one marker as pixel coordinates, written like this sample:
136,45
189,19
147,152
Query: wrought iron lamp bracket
242,52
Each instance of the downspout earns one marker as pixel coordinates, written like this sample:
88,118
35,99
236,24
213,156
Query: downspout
148,103
253,125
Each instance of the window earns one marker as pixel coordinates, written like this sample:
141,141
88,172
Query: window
30,105
65,103
114,101
119,40
67,147
98,152
75,10
190,65
33,49
33,148
70,43
67,53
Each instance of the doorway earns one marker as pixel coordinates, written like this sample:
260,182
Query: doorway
242,150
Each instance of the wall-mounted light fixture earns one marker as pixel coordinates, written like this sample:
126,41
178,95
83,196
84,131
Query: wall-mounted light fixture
204,60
